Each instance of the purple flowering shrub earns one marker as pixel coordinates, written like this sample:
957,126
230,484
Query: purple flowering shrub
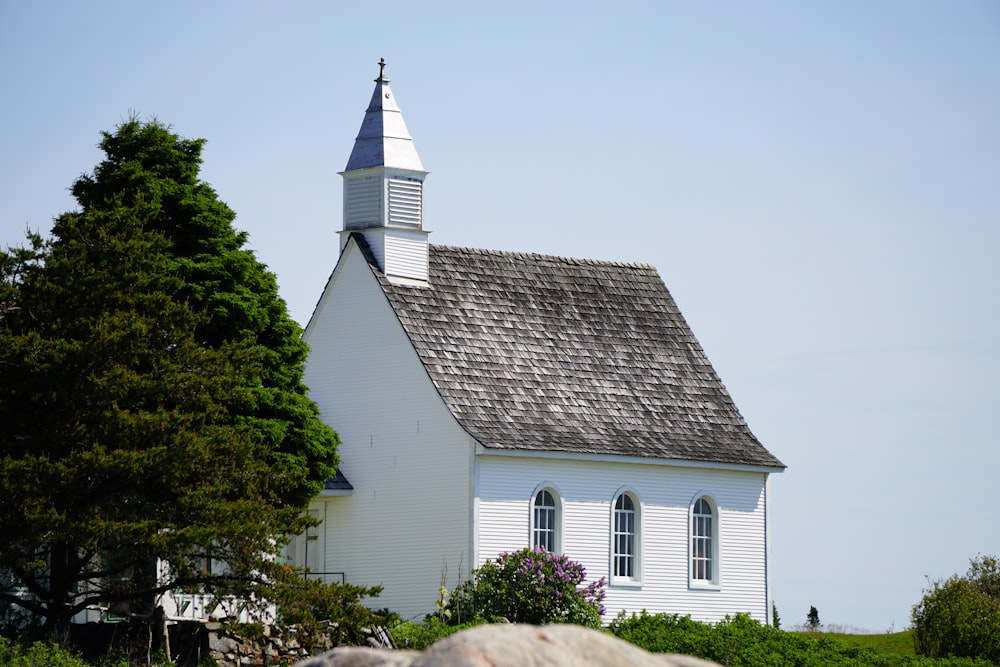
535,586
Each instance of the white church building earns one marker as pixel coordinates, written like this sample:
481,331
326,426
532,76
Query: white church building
488,401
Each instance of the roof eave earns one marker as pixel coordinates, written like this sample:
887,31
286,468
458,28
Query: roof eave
482,450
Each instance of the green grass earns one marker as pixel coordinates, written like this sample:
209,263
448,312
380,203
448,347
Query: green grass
896,643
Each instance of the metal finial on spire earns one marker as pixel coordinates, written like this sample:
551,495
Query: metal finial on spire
381,69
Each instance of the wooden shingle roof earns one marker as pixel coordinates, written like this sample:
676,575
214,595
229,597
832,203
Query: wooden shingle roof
543,353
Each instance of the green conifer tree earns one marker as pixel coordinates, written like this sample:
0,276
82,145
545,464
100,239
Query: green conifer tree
154,416
812,619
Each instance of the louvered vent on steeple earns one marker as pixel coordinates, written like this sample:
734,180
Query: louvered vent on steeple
405,202
362,202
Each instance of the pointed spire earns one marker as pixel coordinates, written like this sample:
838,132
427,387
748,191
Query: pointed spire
383,140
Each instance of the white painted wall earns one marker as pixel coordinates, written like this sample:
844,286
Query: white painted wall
505,486
410,463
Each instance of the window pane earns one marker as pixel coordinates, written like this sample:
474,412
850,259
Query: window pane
544,516
624,537
702,536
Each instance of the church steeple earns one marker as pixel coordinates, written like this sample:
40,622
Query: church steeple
384,140
384,189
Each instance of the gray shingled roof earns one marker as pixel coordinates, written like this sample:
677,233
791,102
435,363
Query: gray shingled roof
542,353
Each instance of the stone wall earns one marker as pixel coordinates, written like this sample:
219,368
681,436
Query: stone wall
231,650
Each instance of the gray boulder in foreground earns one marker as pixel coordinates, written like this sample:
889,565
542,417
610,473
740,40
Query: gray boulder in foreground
511,645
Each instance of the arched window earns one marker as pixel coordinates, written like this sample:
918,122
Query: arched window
704,542
543,515
624,543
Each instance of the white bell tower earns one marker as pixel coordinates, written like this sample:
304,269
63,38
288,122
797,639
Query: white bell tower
384,190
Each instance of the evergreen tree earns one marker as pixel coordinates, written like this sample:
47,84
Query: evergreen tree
151,396
221,279
812,619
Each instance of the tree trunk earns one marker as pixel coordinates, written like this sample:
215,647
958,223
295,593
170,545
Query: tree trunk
59,603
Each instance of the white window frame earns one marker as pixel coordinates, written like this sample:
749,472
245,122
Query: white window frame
633,580
555,531
702,528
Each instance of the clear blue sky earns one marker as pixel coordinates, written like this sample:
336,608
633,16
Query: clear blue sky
818,184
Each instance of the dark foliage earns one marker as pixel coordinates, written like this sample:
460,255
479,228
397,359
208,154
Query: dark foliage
336,610
812,619
151,398
961,615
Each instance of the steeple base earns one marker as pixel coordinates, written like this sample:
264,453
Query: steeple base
400,253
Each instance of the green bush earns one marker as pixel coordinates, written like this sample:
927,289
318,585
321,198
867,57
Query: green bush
39,654
961,615
741,641
418,636
316,608
530,586
662,633
48,654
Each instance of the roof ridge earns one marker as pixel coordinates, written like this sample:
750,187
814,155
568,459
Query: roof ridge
536,256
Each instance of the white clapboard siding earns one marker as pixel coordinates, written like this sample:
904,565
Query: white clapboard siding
409,514
506,483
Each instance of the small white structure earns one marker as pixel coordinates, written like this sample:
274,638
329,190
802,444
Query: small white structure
489,401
